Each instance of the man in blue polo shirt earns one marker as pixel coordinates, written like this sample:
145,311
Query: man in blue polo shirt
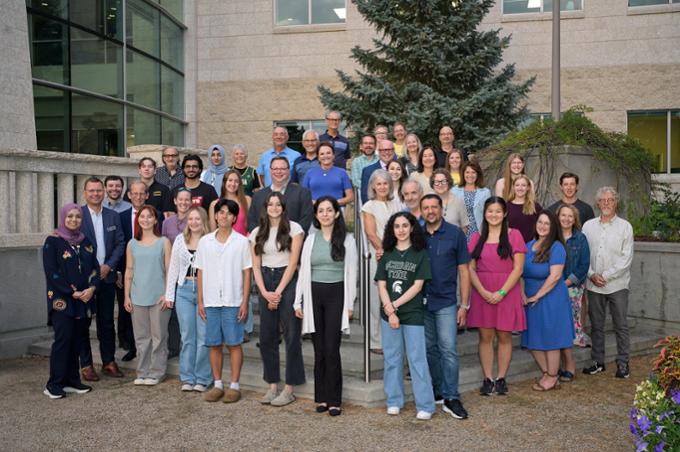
280,149
447,248
340,143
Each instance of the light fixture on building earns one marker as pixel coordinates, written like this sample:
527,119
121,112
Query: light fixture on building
340,12
534,4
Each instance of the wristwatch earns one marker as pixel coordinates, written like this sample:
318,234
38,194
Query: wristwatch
465,306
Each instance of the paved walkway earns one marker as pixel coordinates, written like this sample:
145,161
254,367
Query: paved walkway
590,413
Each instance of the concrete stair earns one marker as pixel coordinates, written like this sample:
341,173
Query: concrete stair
371,394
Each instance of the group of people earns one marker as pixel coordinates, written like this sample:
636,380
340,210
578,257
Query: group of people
187,244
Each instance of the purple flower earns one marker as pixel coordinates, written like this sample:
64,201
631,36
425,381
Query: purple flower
659,447
675,395
644,423
633,429
641,447
633,413
665,415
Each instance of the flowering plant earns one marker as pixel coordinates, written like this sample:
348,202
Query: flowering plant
655,417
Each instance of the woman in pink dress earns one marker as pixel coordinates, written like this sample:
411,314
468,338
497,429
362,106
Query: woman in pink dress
232,188
496,307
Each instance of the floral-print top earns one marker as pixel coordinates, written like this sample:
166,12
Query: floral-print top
69,269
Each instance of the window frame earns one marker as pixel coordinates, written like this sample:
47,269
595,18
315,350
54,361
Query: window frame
542,13
669,115
308,124
309,25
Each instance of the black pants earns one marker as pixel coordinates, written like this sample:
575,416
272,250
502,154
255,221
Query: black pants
174,337
64,356
103,300
328,304
269,332
126,334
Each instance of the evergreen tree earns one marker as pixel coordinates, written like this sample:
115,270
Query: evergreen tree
431,66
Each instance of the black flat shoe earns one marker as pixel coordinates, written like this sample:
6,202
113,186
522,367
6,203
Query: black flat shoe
321,408
129,356
335,411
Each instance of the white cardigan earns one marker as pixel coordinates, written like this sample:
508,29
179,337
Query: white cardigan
180,260
303,289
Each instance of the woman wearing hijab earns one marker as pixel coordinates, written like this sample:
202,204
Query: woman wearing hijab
71,276
217,166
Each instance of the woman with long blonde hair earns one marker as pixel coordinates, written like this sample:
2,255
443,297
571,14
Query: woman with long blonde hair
180,291
523,209
514,167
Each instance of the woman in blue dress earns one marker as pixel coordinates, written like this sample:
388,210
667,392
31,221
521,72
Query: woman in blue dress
548,309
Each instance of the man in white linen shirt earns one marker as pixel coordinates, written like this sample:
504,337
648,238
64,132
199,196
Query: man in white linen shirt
224,265
610,239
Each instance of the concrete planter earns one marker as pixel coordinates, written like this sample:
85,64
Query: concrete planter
655,284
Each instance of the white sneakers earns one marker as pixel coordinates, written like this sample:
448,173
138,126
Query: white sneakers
423,416
146,381
393,410
186,387
199,387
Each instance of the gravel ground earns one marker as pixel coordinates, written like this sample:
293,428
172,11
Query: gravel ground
590,413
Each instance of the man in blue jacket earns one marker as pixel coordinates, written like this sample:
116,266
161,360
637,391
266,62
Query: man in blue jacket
103,228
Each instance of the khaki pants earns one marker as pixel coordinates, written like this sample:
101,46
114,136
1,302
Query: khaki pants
150,326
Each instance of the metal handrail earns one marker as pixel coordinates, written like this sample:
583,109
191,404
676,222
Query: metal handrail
364,283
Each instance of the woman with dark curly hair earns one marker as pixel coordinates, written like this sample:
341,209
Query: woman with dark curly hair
275,249
327,285
401,275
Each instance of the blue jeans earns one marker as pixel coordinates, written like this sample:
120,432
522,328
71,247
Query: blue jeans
194,365
393,348
441,330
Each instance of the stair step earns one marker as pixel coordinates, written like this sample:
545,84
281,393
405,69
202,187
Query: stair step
371,394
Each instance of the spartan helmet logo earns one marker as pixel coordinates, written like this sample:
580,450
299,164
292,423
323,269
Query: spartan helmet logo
396,287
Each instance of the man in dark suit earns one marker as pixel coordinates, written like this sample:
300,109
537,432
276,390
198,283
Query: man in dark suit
103,228
385,156
298,199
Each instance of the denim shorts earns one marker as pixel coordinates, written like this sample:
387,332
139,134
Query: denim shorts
223,326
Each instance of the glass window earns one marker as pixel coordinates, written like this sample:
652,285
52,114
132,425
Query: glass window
174,7
297,128
142,127
328,11
675,142
57,8
51,118
143,80
650,128
142,27
537,6
565,5
647,2
172,92
172,44
96,64
97,126
303,12
101,16
173,132
49,49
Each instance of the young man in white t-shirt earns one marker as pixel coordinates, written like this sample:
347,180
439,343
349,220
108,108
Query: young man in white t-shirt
224,265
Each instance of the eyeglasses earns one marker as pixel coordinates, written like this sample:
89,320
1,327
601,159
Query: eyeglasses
332,119
607,200
279,169
386,149
190,166
171,155
437,183
309,141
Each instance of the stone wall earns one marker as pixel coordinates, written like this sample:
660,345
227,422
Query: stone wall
655,286
17,126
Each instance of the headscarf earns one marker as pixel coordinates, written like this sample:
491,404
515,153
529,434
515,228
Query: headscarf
72,237
214,174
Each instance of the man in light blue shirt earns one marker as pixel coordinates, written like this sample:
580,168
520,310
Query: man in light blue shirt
113,185
367,157
280,149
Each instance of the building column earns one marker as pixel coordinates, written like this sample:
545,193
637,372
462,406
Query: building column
24,202
65,189
4,201
80,184
45,202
